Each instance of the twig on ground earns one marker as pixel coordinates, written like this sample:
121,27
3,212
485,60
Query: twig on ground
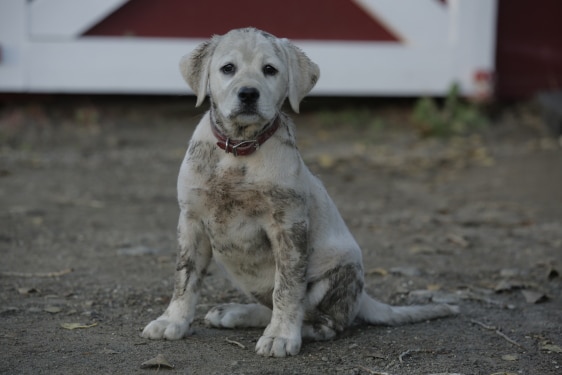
373,372
235,343
508,339
33,274
407,352
410,351
498,332
485,326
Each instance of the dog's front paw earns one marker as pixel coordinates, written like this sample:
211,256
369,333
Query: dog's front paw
164,328
278,346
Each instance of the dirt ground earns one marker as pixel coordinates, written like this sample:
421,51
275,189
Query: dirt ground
87,236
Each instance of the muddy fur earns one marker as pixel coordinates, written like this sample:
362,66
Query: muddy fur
264,217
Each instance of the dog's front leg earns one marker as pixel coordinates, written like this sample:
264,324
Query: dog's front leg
282,337
193,258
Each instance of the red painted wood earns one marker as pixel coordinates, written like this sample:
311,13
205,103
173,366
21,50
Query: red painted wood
529,47
294,19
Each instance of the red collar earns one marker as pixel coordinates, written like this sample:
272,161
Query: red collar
244,147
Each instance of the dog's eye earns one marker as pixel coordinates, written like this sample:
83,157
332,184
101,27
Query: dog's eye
228,69
268,70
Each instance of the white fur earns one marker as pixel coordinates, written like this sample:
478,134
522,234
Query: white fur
264,218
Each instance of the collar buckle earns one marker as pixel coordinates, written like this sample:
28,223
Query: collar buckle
253,144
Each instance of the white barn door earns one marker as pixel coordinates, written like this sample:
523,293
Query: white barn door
439,42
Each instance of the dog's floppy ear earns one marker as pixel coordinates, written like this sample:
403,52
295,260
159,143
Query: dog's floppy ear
194,68
303,73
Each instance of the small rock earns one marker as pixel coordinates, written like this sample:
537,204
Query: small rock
510,272
52,309
406,271
534,297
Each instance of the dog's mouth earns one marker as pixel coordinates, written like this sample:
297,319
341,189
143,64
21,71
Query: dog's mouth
245,116
244,121
246,110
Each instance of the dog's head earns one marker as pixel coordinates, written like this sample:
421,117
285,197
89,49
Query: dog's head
248,74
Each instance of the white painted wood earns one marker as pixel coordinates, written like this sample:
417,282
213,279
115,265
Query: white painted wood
416,22
460,41
380,69
108,65
474,48
67,19
112,66
13,44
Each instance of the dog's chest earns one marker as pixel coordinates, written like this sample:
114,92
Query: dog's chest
230,203
238,200
236,213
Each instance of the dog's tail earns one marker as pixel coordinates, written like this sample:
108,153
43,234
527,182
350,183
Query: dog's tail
375,312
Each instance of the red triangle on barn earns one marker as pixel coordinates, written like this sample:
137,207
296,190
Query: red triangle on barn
294,19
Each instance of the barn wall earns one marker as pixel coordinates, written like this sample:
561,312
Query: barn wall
529,47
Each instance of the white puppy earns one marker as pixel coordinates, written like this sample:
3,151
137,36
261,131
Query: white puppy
248,201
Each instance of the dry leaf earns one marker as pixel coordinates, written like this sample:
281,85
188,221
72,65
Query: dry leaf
77,325
507,285
458,240
158,361
52,309
534,297
376,355
235,343
326,161
551,348
433,287
510,357
377,271
27,291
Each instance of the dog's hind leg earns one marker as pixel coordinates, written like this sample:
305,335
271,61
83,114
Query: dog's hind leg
236,315
337,293
320,328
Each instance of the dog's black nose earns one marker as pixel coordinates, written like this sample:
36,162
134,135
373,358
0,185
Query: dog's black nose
248,95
